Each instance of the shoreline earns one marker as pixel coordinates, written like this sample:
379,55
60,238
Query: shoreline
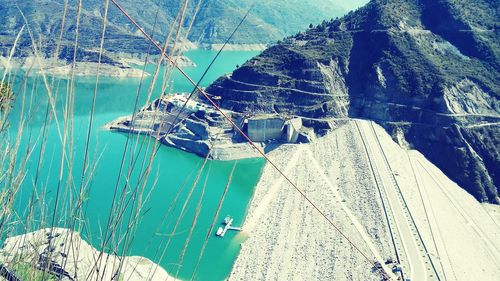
78,260
181,60
235,47
61,68
122,68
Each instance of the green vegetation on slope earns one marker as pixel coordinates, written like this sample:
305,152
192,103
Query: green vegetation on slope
268,22
425,67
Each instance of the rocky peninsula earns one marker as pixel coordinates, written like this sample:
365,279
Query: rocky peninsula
196,127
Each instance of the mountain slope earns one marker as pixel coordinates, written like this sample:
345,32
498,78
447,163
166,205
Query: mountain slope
268,22
44,18
427,70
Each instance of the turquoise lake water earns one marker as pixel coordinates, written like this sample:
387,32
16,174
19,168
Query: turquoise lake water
171,168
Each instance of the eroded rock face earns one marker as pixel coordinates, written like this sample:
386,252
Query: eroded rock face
190,134
426,69
196,128
294,85
467,97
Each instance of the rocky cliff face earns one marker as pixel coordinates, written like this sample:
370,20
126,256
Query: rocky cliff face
427,70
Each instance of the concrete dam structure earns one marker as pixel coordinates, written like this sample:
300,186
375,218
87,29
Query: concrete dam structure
264,128
195,127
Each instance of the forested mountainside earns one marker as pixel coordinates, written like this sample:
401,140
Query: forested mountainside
427,70
268,22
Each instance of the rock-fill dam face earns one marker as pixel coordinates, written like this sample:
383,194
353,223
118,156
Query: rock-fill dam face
425,70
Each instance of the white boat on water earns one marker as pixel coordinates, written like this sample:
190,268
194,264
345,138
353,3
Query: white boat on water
219,231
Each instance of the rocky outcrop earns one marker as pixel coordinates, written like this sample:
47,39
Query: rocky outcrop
467,97
425,69
191,135
294,85
195,128
204,131
64,255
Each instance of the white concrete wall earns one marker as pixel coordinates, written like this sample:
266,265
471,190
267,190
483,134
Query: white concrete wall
292,129
264,129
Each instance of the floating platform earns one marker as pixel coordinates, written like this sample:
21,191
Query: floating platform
228,221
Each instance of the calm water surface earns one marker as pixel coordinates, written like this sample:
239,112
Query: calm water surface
172,170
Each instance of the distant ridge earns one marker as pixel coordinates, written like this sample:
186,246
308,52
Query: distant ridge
268,22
